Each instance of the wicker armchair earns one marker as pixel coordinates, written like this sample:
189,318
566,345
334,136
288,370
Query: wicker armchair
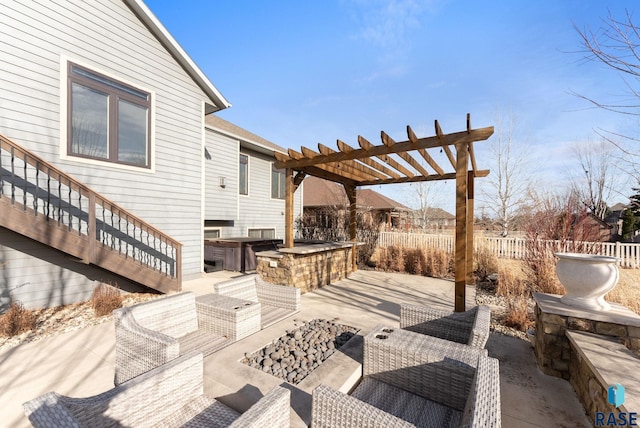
414,380
470,327
153,333
169,396
278,301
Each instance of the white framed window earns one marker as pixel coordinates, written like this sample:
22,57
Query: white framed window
278,182
211,233
265,233
243,179
107,120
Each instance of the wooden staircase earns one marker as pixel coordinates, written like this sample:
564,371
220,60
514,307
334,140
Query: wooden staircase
43,203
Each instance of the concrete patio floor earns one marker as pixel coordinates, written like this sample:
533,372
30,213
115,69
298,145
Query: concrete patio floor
81,363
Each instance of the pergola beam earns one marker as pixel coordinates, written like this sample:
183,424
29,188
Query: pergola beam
344,147
421,143
417,179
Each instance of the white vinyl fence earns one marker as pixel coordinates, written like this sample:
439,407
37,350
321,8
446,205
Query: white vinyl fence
511,248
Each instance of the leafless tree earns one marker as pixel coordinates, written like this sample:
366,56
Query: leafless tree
426,196
595,186
616,44
504,190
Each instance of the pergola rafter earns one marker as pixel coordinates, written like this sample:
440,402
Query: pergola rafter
393,162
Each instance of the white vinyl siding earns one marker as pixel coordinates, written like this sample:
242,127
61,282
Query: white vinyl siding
260,210
221,160
36,40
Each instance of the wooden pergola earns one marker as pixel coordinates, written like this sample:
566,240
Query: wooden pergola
396,162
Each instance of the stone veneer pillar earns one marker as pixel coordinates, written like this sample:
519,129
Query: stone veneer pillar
554,318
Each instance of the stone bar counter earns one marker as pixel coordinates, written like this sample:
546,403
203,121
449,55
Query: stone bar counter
307,266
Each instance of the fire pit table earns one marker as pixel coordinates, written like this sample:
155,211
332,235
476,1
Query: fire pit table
233,318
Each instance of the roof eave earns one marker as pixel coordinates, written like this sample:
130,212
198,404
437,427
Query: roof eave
163,35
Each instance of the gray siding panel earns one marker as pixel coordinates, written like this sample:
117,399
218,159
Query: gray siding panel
54,278
221,203
106,36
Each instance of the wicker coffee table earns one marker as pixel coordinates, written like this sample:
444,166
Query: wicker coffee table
231,317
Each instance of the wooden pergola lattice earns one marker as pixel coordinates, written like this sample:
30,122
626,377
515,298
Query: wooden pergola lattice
396,162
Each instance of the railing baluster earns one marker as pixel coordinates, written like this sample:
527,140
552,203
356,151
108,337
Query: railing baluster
79,211
13,176
113,237
148,263
37,192
126,219
70,205
24,187
103,236
155,258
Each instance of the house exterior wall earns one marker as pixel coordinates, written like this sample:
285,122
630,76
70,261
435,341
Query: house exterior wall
221,160
105,36
257,210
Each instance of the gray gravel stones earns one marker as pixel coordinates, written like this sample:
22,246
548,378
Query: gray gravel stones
293,356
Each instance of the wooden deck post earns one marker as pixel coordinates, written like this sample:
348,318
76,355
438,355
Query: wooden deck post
351,195
288,208
470,229
462,160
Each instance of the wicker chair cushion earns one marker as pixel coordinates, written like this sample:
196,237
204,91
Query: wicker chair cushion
406,406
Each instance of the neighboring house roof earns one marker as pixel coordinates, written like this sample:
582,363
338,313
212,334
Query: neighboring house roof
241,134
616,213
322,193
438,213
374,200
162,34
618,207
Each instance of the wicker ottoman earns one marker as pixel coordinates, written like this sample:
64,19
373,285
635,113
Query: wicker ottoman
230,317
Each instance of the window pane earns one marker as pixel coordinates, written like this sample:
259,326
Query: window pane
89,122
254,233
268,233
244,175
211,233
282,184
132,133
275,186
105,81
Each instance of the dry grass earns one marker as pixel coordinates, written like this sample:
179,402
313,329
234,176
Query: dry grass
518,314
511,282
415,261
418,261
485,263
105,299
515,279
627,292
17,320
439,263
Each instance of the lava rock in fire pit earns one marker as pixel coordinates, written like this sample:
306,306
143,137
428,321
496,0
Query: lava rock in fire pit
296,354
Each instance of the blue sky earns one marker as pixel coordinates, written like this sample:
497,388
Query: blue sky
306,72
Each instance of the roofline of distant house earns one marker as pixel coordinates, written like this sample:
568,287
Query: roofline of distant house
163,35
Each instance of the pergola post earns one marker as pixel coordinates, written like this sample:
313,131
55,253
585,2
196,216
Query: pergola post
352,196
290,188
462,160
470,229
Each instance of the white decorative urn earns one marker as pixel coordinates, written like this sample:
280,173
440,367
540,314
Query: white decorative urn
586,279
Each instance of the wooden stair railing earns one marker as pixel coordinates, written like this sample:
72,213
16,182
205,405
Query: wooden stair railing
45,204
